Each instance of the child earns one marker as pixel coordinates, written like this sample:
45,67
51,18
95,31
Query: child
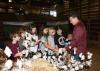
34,47
51,43
44,39
14,45
22,38
60,39
68,40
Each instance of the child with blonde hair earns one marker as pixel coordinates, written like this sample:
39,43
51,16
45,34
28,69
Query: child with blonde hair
51,43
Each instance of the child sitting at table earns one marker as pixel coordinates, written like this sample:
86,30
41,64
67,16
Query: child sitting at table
14,46
22,38
68,40
34,47
59,38
51,43
44,39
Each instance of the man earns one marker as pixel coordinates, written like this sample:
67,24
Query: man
79,35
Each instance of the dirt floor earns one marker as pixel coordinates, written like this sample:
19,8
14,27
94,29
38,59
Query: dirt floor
96,58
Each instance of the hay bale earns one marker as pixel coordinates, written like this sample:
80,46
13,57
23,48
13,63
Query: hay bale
42,65
2,58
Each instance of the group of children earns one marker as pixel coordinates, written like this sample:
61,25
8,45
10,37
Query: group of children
50,40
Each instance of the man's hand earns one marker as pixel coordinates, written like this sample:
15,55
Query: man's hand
75,50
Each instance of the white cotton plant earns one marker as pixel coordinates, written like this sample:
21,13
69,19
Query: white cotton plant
69,65
89,63
76,67
19,63
26,43
7,51
61,60
64,67
8,64
82,56
72,59
60,50
35,57
72,69
45,57
81,66
26,52
28,36
89,55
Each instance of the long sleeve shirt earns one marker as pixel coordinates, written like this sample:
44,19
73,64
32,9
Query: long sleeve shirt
79,38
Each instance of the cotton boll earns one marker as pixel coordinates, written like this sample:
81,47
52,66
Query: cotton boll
81,66
26,52
28,36
44,57
69,65
80,55
59,58
89,63
46,49
72,59
83,57
83,63
76,68
9,64
89,55
35,57
72,69
26,43
19,63
60,50
39,55
8,51
54,57
73,65
64,68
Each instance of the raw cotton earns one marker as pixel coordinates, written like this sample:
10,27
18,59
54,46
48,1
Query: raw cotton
42,65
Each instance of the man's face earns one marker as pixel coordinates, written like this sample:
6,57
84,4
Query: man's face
73,21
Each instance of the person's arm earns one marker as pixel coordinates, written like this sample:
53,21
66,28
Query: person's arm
19,54
49,47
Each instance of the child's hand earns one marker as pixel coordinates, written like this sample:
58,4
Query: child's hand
37,42
56,50
18,54
47,45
